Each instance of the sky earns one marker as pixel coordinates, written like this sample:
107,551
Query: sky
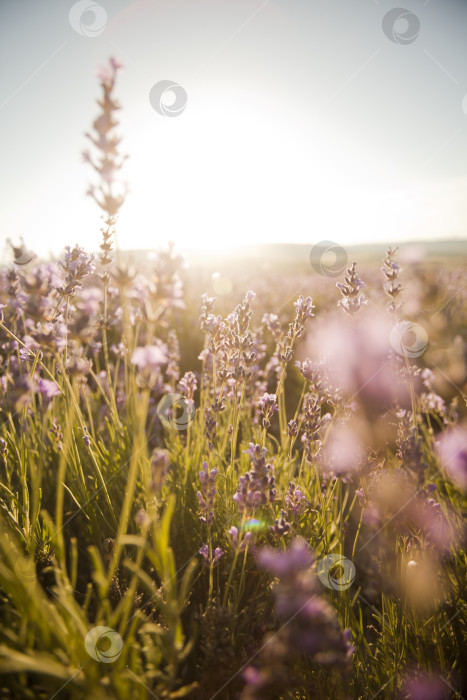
305,120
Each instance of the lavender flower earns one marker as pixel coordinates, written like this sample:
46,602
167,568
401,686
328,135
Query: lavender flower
295,498
77,264
343,450
204,551
207,494
86,437
48,389
160,463
142,519
236,542
149,357
303,310
3,448
286,564
105,142
421,686
188,385
210,426
410,443
272,323
173,355
281,527
452,451
268,406
313,423
46,336
316,374
350,290
257,487
308,625
391,271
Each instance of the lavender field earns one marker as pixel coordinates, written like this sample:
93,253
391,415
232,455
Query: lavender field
239,484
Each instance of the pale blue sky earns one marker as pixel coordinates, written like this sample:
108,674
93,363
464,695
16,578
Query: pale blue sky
303,122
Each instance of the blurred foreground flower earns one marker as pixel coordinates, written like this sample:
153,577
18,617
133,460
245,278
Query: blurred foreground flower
421,686
452,450
357,358
308,625
149,357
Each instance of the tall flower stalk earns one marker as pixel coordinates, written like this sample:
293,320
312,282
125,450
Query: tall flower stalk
108,193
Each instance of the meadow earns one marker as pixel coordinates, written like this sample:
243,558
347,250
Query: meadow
241,483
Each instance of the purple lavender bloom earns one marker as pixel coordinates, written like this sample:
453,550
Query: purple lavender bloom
311,625
204,551
452,450
233,532
281,526
89,301
351,301
361,495
46,336
294,498
188,385
86,437
423,687
48,389
343,450
304,308
268,406
78,264
218,553
160,463
25,355
207,495
286,564
149,357
268,403
257,487
142,519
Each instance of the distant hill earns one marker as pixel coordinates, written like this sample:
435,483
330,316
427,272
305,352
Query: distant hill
290,254
295,255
